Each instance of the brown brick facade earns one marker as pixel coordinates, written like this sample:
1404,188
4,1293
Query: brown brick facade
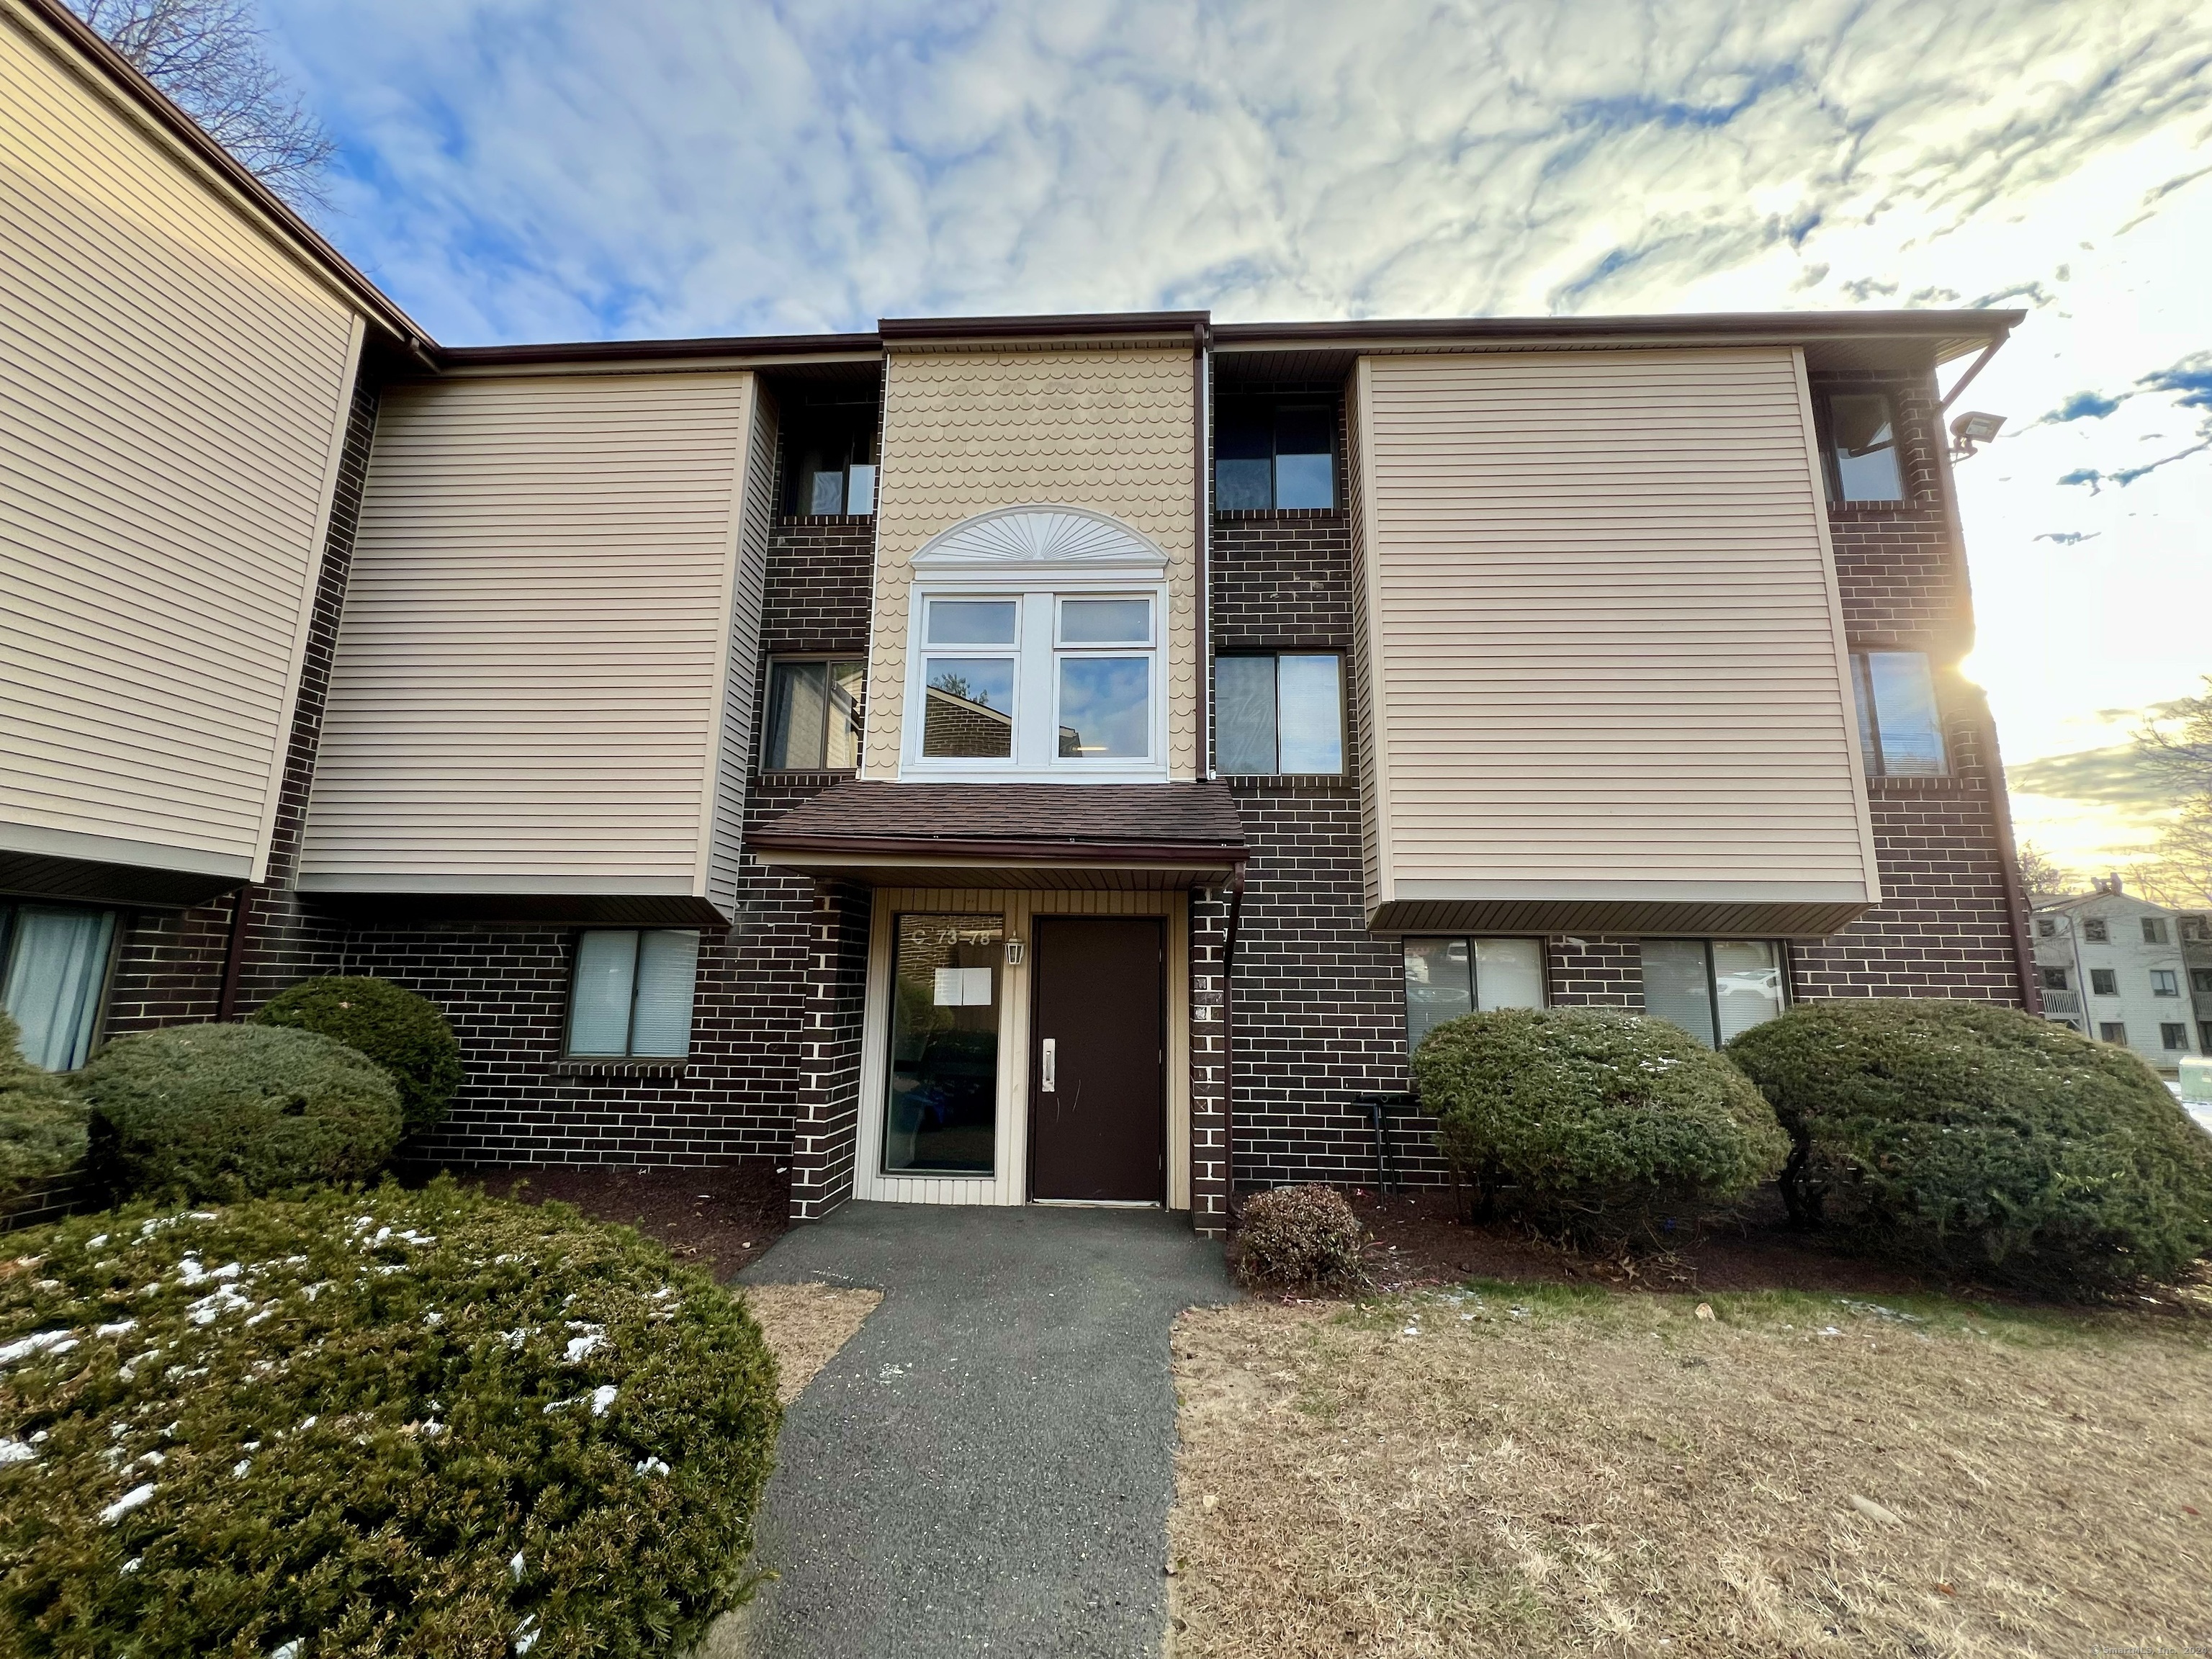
1284,1065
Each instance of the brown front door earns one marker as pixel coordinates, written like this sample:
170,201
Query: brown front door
1099,1041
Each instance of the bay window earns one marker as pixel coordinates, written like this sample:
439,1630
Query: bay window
1060,683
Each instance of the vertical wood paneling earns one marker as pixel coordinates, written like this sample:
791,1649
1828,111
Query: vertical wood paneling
531,690
173,390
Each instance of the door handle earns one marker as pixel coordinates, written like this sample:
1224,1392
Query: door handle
1049,1069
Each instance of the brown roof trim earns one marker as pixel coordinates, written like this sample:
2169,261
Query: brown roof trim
606,351
124,79
1064,851
1030,328
1808,323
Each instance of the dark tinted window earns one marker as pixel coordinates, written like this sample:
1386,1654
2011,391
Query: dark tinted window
1274,453
1860,446
830,450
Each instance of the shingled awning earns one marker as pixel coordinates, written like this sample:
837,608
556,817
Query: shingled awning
1131,835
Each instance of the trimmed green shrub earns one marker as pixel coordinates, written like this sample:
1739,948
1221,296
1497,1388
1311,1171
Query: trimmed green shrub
42,1129
1984,1141
426,1423
1298,1238
402,1032
1601,1124
225,1111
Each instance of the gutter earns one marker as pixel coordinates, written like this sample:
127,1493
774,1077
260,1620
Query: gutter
1202,541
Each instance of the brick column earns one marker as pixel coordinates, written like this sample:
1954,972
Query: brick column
1210,1172
826,1110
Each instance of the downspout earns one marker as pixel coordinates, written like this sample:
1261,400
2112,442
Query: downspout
234,957
1202,542
2015,890
1229,1042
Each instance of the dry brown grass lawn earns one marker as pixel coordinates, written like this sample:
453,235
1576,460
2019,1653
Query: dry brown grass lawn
1523,1470
805,1325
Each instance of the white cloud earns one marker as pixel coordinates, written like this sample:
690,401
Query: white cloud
533,169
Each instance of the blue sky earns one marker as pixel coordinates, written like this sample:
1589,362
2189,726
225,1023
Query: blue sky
549,169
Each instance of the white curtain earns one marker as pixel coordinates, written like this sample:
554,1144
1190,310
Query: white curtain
57,961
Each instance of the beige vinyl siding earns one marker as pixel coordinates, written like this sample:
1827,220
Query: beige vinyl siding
532,673
173,395
744,686
1108,428
1607,654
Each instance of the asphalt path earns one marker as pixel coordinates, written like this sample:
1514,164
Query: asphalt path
987,1467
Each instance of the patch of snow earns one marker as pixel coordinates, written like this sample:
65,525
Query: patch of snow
602,1397
309,1423
594,1338
40,1342
123,1505
15,1451
515,1567
288,1649
117,1329
190,1271
216,1303
131,1566
526,1634
206,1215
95,1241
238,1470
433,1429
434,1319
653,1466
154,1457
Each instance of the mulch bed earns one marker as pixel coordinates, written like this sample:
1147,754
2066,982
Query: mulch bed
719,1219
1418,1240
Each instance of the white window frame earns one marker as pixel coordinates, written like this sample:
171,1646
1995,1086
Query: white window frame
1036,653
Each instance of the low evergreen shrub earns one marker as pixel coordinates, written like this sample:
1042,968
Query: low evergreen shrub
225,1111
1604,1124
1300,1237
401,1031
388,1423
42,1128
1984,1142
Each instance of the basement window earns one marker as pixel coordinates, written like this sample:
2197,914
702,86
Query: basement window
1712,988
1281,714
631,997
53,969
1900,734
1448,977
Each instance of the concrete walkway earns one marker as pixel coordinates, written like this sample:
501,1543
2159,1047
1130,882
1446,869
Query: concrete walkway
987,1466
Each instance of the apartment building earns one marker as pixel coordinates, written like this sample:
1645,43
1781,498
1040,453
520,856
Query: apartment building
978,761
2117,968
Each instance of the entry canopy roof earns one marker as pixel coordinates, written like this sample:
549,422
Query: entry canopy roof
1127,835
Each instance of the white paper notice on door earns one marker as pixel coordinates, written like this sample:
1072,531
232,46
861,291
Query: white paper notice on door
963,988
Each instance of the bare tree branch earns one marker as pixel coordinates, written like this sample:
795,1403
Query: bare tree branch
206,55
2041,875
2176,743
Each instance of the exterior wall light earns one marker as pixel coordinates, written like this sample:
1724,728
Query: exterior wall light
1970,430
